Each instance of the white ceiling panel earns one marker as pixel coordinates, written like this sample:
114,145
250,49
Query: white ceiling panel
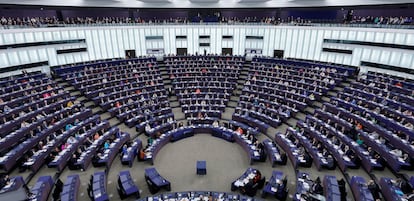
203,3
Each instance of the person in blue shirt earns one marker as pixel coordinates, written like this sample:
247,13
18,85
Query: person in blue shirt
106,145
124,150
68,126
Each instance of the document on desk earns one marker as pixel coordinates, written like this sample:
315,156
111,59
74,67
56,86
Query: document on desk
238,183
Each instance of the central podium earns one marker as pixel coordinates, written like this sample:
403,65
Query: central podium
201,167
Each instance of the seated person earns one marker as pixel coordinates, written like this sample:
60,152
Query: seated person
317,187
124,150
4,180
239,130
280,189
106,144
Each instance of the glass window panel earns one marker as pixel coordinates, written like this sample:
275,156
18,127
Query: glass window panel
81,34
42,54
4,61
102,44
56,35
47,36
335,34
385,57
366,53
61,60
39,36
77,57
356,59
283,39
87,57
389,37
312,44
73,34
347,60
115,43
69,58
33,55
24,58
294,42
400,38
379,37
64,35
343,35
361,35
29,37
369,36
8,38
108,39
95,42
352,35
318,46
406,60
375,55
395,58
19,38
327,34
51,55
410,39
14,58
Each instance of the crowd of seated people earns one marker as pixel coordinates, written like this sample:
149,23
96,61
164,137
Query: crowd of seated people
203,84
319,153
344,135
390,20
308,189
336,143
377,109
297,153
214,18
43,108
132,90
274,91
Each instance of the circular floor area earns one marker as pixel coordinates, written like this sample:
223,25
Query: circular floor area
226,161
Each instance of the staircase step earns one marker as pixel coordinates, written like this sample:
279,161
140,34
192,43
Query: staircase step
332,93
317,104
89,104
326,99
228,113
232,104
174,104
309,110
300,116
291,122
178,114
234,98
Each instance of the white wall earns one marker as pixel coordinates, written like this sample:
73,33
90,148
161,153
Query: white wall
296,41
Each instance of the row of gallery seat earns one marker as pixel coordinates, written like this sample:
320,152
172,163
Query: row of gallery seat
133,91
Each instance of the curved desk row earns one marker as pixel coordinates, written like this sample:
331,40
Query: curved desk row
131,152
42,188
70,189
155,181
201,195
221,132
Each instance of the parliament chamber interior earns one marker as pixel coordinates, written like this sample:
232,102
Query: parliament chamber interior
207,100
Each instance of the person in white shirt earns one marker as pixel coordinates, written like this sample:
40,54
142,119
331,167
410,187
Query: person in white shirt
215,124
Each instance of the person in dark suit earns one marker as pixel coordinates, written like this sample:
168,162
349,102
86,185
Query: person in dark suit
4,180
373,188
280,190
317,187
